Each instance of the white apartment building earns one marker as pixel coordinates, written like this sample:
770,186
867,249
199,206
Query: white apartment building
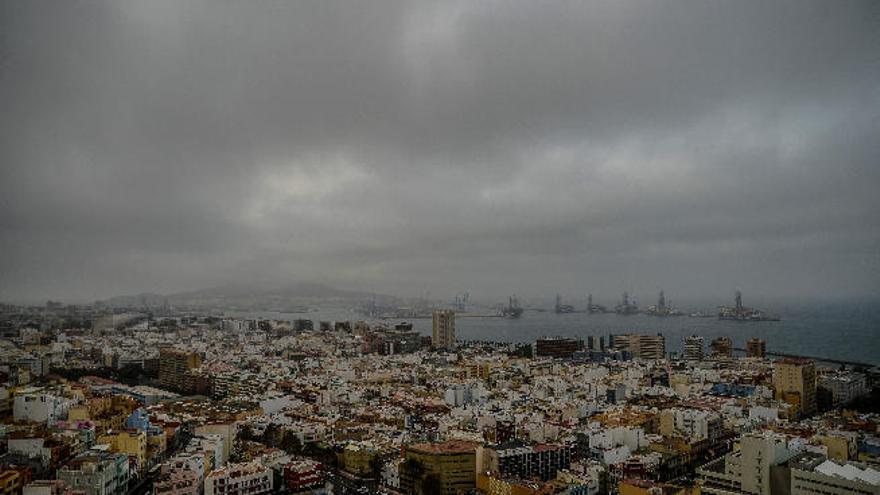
36,406
746,471
239,479
813,474
694,423
844,386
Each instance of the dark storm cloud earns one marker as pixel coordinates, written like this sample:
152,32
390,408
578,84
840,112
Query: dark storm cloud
493,146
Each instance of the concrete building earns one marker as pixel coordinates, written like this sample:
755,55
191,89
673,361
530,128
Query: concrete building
516,459
756,348
693,348
844,386
173,365
557,347
97,473
643,346
692,423
177,482
303,474
132,443
721,347
239,479
795,382
210,445
44,487
226,431
443,329
36,446
182,475
38,406
13,480
748,470
812,474
447,468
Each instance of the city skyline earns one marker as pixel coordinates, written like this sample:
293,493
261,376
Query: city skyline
606,247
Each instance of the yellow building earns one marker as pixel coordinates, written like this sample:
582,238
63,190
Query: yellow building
841,445
491,485
648,421
448,468
173,365
226,429
107,413
78,413
356,458
157,444
130,442
642,487
443,329
795,383
7,398
12,481
479,370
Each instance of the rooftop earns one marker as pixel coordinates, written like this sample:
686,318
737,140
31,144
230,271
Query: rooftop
450,447
850,472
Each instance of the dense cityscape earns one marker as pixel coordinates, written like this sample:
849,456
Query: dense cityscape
108,401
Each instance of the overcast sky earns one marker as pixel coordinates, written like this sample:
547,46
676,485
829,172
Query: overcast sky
492,146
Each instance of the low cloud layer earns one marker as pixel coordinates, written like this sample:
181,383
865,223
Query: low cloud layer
496,147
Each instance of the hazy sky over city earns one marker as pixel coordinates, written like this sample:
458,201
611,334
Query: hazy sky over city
528,146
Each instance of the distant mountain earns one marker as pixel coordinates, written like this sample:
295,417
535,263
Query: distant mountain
253,297
143,299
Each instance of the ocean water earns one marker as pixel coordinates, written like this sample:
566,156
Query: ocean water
838,330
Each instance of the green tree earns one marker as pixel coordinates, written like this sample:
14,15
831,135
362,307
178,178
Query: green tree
272,435
246,432
376,464
290,443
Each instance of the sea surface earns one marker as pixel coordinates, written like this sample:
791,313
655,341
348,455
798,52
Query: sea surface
838,330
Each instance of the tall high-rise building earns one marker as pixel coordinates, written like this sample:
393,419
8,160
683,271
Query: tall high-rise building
448,467
620,342
443,333
795,383
557,347
651,347
644,346
518,459
756,348
747,471
843,386
173,365
693,348
759,453
721,347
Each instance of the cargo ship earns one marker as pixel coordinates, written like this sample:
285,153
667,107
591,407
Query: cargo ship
513,309
738,312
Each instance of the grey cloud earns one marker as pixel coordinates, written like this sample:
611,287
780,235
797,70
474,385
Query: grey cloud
400,146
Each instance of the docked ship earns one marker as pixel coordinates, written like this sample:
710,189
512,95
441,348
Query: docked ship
661,308
626,307
738,312
562,308
513,309
594,308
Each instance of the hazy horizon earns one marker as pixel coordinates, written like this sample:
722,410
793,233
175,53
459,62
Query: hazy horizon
516,147
687,302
